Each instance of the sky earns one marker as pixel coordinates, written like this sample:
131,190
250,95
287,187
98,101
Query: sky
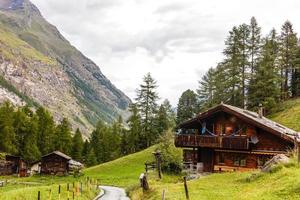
175,40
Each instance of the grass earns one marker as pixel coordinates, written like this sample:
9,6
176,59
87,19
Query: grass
123,172
282,183
27,188
288,114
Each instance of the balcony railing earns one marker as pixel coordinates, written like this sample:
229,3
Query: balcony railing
234,142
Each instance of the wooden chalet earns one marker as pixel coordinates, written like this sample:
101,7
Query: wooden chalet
227,138
56,163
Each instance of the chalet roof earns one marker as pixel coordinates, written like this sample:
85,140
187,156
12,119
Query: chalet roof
59,154
250,117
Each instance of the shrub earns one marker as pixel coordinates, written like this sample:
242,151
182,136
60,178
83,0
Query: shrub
171,156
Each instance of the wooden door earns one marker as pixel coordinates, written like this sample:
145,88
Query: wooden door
207,158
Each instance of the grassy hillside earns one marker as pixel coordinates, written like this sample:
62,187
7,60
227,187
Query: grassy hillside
288,114
282,183
123,172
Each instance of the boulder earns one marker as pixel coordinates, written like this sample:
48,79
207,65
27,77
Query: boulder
280,158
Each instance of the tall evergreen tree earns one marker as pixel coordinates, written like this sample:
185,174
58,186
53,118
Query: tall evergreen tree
63,138
265,85
207,89
233,63
77,146
46,129
132,140
254,44
187,106
147,104
161,120
171,115
287,55
8,141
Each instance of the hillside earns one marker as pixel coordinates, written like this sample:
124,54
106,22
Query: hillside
282,183
38,66
123,172
288,114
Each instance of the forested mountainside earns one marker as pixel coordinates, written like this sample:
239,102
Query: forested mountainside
38,66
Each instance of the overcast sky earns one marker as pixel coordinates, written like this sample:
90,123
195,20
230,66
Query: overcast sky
177,41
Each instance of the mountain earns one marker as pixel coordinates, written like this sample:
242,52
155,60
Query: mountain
38,66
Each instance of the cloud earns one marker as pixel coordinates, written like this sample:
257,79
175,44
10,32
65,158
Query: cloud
175,40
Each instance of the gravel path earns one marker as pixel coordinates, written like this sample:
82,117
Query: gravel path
113,193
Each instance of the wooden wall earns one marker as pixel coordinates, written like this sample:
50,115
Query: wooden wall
54,164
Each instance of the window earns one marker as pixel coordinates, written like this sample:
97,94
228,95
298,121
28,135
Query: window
221,158
243,162
239,160
236,161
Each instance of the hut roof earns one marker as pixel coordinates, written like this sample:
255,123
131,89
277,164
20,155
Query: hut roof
59,154
246,115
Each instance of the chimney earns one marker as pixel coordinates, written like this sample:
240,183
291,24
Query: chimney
260,111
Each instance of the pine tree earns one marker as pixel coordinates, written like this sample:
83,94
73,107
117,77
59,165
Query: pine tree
63,138
287,55
8,141
254,44
296,77
133,140
264,87
243,36
91,158
171,115
207,89
77,146
187,106
46,129
31,151
147,104
161,121
232,64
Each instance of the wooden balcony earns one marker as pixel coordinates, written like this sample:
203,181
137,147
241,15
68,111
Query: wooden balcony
234,142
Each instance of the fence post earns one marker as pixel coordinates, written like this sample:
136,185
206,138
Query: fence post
163,194
186,189
39,195
59,192
81,188
68,190
50,194
73,195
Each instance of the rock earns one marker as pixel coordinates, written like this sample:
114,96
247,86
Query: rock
278,159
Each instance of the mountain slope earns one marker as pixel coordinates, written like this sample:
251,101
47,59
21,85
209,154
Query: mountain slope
288,114
44,67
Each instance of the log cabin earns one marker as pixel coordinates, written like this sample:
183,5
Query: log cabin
228,138
18,165
55,163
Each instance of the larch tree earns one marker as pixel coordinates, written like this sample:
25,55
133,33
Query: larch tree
287,55
265,86
63,138
46,129
187,106
8,141
147,104
254,44
77,146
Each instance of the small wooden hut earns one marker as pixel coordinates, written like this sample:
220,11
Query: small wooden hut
18,165
6,168
56,163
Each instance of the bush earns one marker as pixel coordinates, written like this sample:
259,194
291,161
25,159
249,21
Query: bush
171,156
